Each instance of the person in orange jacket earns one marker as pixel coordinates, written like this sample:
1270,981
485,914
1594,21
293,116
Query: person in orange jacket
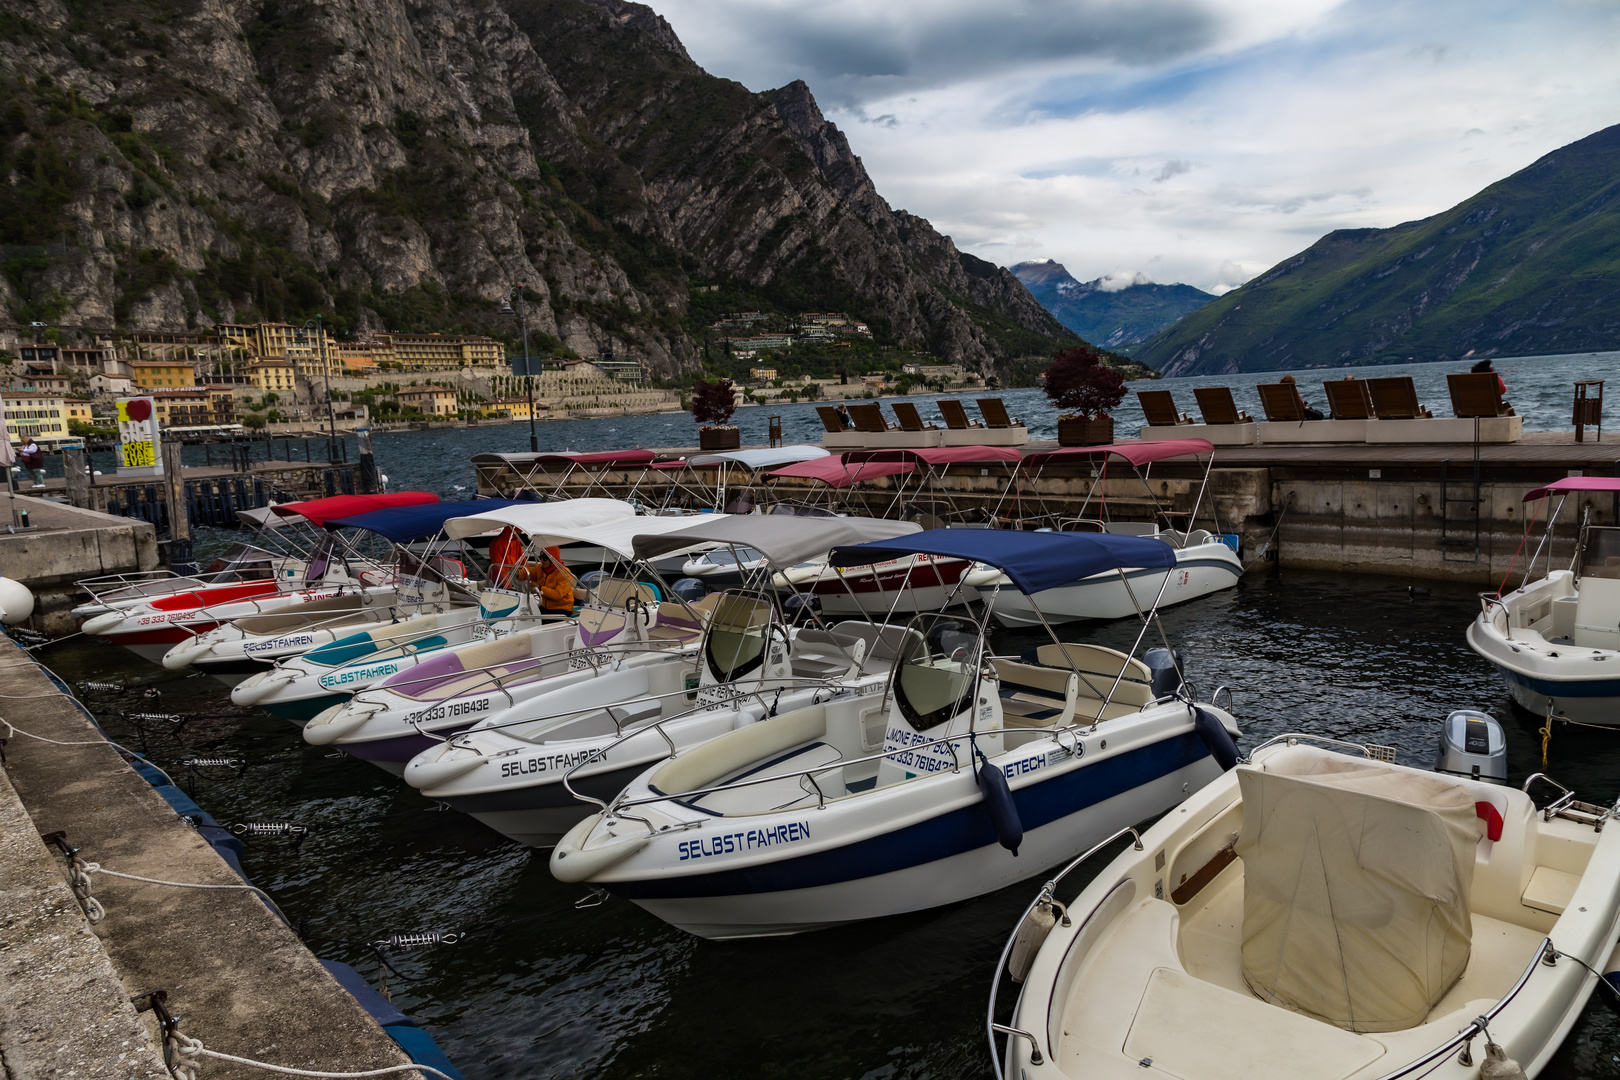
555,582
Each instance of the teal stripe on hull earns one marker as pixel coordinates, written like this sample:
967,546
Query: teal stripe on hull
304,710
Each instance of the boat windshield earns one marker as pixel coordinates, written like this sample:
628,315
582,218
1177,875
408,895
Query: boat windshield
736,641
725,556
939,662
1600,554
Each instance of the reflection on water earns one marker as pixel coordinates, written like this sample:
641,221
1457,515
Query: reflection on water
539,989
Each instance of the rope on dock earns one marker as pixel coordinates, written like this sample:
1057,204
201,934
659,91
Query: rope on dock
188,1049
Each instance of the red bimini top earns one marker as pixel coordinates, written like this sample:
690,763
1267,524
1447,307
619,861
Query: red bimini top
320,511
835,472
1576,483
1137,453
937,455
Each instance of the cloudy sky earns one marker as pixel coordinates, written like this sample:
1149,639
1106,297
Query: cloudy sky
1189,140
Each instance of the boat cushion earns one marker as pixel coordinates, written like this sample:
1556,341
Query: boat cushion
704,764
1597,612
1357,878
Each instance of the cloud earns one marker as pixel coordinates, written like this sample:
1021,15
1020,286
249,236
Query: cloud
1120,280
1172,168
1228,277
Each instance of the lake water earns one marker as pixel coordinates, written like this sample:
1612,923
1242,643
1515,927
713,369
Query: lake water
614,993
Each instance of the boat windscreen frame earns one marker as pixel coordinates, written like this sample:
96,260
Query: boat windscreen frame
740,667
973,666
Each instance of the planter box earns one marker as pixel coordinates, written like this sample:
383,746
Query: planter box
1217,434
725,438
1086,432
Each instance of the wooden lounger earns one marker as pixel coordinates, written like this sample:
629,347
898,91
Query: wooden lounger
995,414
1282,403
956,417
906,413
1395,398
869,417
1349,399
1159,406
1216,403
1477,394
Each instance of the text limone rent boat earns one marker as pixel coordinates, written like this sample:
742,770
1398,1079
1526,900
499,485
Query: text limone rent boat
508,769
150,628
624,624
1556,640
432,589
300,687
1320,913
961,774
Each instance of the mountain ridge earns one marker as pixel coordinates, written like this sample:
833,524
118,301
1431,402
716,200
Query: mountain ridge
398,165
1116,318
1529,265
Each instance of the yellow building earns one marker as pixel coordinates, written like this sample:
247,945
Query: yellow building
274,376
41,416
157,374
223,399
183,408
308,349
512,408
77,409
433,400
764,374
424,352
356,357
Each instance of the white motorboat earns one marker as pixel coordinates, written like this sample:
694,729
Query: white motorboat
1321,913
622,624
1556,640
508,769
1204,563
963,774
150,628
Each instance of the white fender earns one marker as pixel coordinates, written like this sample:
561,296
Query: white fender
256,687
101,624
571,862
331,724
16,601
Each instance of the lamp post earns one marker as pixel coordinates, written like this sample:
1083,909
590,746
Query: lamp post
326,378
522,312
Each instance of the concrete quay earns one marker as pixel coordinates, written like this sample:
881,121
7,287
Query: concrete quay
1448,512
64,544
242,981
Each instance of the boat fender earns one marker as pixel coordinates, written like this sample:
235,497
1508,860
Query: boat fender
1027,942
1215,737
999,801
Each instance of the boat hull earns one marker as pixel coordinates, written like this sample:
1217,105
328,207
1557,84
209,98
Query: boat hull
1535,682
1198,572
908,586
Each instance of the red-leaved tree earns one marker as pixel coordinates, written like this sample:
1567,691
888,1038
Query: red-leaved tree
713,403
1079,383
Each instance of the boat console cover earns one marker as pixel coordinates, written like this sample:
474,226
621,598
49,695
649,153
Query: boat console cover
1356,887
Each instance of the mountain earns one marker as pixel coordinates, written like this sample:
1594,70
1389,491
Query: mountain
1115,314
399,163
1530,265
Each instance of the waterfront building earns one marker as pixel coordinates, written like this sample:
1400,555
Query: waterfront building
433,400
183,408
762,374
427,352
77,409
274,376
156,374
36,414
510,408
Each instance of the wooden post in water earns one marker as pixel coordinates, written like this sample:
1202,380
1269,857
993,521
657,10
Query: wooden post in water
368,463
174,482
76,469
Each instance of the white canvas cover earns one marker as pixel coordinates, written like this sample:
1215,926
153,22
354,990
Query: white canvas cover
1356,887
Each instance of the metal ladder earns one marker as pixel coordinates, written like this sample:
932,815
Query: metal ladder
1460,513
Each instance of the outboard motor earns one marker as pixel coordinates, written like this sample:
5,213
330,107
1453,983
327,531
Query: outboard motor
1472,744
1163,664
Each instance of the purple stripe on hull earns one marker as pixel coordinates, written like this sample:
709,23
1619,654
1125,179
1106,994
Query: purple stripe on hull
399,749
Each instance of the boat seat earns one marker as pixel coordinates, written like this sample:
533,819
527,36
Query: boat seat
1550,890
302,617
819,654
1597,613
1033,695
706,763
787,791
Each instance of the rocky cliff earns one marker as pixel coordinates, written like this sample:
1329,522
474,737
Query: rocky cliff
1530,265
398,165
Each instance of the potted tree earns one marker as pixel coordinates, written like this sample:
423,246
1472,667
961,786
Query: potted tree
713,404
1087,390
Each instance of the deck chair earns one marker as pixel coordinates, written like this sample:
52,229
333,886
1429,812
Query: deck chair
1159,406
995,413
1477,394
956,417
1216,403
869,418
906,413
1282,403
830,420
1395,398
1349,399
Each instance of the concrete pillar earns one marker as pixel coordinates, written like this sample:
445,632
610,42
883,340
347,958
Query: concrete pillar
76,468
174,479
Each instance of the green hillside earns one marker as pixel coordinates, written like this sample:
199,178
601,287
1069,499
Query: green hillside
1529,265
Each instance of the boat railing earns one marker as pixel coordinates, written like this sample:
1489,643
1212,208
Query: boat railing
1294,738
1047,895
402,646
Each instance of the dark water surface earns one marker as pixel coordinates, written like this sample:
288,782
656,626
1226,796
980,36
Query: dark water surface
612,992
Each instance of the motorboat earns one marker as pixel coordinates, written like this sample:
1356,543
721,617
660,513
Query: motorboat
239,564
1204,563
150,627
1321,912
723,567
507,770
623,623
964,773
1556,640
430,581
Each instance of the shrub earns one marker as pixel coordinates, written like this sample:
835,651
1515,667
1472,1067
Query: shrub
253,421
1079,383
713,403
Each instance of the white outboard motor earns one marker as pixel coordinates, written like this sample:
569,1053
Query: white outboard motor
1472,744
1163,663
